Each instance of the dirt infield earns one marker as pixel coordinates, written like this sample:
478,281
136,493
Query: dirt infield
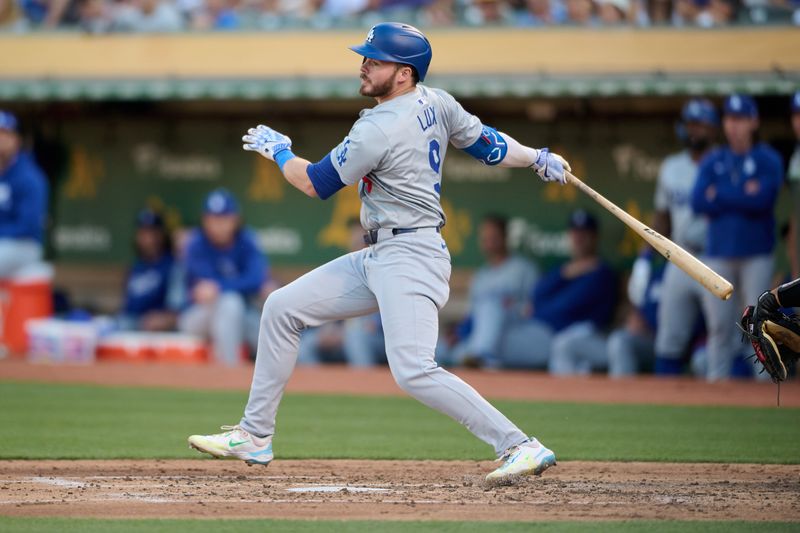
402,490
396,490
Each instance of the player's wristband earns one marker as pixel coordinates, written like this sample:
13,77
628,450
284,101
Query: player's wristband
282,157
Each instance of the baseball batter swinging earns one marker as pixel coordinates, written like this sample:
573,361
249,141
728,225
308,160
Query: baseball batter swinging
395,153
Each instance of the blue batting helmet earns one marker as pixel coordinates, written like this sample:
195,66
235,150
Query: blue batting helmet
398,43
700,110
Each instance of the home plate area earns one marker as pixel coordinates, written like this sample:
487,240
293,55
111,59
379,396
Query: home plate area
396,490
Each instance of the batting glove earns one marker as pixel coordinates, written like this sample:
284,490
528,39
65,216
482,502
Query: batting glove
551,167
269,143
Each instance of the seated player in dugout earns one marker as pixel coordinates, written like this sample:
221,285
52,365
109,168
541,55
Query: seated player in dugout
498,300
394,152
571,307
223,267
147,283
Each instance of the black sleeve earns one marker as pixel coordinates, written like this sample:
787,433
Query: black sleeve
789,294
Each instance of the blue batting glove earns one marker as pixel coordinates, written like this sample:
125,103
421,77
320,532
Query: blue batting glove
551,167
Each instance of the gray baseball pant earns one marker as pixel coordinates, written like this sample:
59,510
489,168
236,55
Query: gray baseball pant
406,278
751,276
678,310
223,321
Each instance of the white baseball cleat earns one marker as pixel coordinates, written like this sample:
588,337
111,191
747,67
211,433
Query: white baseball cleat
528,458
235,443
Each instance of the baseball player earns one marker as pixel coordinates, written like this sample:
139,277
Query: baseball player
394,152
680,304
23,202
737,187
223,267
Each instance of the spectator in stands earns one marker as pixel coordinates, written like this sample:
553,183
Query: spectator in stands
737,187
686,12
46,14
718,13
95,16
631,348
23,202
219,15
488,13
681,301
580,13
12,18
571,307
147,16
542,13
659,12
614,12
223,268
147,284
498,297
357,341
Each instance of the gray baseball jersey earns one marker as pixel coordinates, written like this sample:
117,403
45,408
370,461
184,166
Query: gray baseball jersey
396,150
673,193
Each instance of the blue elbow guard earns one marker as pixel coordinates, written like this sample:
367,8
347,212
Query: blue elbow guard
490,148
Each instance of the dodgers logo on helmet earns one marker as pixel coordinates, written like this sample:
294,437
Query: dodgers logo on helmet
398,43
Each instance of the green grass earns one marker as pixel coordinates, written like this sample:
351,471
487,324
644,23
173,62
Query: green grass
74,422
67,525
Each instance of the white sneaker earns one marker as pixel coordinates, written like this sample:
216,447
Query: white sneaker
528,458
235,443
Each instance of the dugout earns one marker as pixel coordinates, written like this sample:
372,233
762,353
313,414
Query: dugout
157,120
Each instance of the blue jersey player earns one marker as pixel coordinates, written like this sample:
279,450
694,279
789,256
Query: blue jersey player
736,189
394,154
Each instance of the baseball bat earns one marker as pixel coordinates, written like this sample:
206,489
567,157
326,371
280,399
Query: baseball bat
699,271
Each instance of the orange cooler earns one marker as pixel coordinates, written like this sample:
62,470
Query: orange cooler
21,301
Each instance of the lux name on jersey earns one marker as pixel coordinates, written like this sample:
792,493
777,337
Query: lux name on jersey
427,118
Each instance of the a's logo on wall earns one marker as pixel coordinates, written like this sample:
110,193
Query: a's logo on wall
85,171
267,183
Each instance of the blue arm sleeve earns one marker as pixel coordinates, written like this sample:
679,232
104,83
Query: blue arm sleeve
324,177
490,148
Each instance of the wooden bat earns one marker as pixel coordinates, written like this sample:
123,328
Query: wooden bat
699,271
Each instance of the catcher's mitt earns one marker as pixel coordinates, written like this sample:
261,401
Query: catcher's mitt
774,336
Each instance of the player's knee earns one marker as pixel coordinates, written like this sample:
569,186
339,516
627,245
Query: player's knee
412,381
277,307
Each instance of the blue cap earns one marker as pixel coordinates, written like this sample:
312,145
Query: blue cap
147,218
8,121
741,105
582,219
796,102
700,110
221,202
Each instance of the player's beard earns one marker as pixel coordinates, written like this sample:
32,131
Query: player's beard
378,91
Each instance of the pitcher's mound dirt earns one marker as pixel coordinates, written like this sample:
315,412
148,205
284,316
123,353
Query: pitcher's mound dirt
396,490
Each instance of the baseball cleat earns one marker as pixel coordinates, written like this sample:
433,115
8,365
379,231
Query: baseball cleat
235,443
528,458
